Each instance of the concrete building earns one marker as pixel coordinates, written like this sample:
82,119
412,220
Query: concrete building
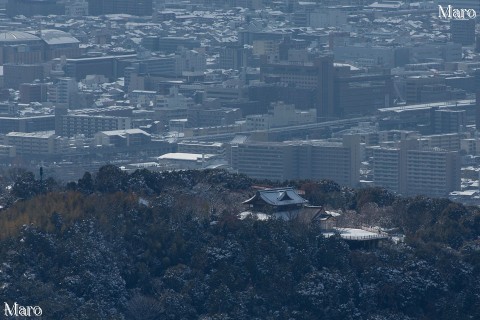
233,56
360,94
448,121
409,169
201,147
27,124
142,97
16,74
89,125
122,138
462,31
200,117
20,47
281,115
107,66
416,84
447,141
90,121
366,55
180,160
62,91
317,75
434,172
33,143
311,159
470,146
33,92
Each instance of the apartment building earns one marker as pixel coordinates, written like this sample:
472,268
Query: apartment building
408,168
32,143
311,159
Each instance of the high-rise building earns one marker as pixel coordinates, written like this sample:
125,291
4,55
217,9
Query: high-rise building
448,121
233,56
24,73
63,90
360,94
462,31
317,75
33,92
408,169
311,159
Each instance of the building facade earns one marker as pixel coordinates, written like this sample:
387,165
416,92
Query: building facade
311,159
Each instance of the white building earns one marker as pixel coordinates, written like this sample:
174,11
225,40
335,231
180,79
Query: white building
410,169
142,97
181,160
191,61
33,143
281,115
174,100
63,90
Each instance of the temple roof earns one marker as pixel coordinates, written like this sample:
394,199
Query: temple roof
277,197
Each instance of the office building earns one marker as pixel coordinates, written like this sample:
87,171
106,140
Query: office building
33,92
448,121
233,56
462,31
317,75
360,94
15,74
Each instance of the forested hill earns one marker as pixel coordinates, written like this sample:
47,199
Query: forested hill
169,246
